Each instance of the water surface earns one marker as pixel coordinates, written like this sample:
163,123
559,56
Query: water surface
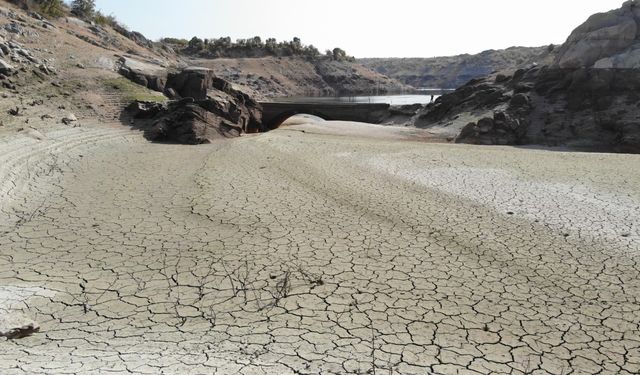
425,96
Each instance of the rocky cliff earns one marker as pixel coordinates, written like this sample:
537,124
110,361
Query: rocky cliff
587,109
454,71
605,40
587,98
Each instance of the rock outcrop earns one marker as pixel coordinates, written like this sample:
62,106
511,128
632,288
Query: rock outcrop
15,325
605,40
206,108
591,109
587,98
189,122
217,96
149,75
350,78
499,105
6,68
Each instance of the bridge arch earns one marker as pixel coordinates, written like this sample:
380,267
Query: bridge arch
275,113
279,119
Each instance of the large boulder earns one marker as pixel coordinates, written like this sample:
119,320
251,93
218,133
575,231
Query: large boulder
146,74
501,129
187,122
192,82
624,60
207,108
6,68
217,96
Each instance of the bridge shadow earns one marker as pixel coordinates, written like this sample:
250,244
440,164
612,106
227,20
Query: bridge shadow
274,113
285,116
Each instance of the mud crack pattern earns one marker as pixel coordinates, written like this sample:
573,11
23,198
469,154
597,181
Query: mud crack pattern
293,253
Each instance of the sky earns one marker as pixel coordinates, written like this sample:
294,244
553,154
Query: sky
366,28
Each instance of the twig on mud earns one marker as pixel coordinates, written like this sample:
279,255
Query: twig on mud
233,285
84,297
373,347
310,277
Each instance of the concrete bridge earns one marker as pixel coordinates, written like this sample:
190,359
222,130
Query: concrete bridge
275,113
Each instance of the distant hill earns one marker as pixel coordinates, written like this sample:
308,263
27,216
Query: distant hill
274,68
454,71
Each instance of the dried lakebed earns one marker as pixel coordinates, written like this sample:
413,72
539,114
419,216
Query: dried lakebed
295,252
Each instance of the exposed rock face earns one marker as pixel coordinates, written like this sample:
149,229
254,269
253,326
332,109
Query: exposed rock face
134,35
595,108
501,129
146,74
588,98
192,82
189,122
584,108
502,115
208,108
16,325
6,68
217,96
295,76
351,78
605,40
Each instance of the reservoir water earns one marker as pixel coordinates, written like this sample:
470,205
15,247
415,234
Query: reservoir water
423,97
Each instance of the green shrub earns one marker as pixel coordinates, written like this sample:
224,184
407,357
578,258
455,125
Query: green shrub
103,20
130,91
51,8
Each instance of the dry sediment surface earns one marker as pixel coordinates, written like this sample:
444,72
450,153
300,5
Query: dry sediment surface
296,252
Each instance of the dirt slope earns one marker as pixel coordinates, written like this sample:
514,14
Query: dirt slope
63,67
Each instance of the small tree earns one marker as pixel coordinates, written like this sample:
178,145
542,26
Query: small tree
256,42
339,54
83,8
271,45
296,45
311,52
196,44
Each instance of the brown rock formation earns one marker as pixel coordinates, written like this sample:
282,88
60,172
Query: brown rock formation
208,108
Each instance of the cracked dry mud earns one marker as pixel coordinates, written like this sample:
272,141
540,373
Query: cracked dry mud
294,252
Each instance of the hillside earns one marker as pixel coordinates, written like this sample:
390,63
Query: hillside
294,76
67,71
54,67
454,71
274,68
